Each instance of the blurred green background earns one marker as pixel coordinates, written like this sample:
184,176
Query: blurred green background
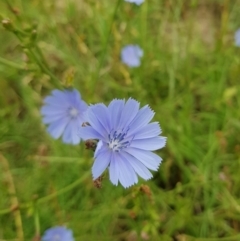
189,76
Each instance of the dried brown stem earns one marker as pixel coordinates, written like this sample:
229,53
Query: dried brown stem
13,197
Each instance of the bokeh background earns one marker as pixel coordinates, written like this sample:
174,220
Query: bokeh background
189,75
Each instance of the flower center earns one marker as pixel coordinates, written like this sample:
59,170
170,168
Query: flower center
116,140
73,112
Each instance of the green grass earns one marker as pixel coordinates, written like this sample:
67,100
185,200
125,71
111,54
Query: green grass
189,76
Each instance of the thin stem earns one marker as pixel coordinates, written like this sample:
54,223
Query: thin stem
105,45
43,66
12,64
49,197
13,197
63,190
36,221
57,159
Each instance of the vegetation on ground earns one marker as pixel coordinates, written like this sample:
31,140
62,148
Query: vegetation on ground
189,75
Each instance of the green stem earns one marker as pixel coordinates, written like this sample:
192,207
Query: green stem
62,191
51,196
43,67
105,45
36,221
12,64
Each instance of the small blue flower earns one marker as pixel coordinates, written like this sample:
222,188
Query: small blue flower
131,55
126,140
58,234
138,2
237,38
64,113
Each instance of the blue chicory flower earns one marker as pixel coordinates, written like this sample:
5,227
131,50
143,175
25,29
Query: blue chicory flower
58,233
131,55
64,113
138,2
126,140
237,38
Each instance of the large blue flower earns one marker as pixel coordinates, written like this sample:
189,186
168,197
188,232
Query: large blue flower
64,113
58,233
131,55
126,140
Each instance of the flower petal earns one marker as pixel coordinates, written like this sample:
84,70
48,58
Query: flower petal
88,132
72,130
150,144
56,128
115,110
50,110
56,98
101,162
129,112
51,119
144,115
95,123
148,158
148,131
66,138
138,166
127,175
98,148
102,113
113,169
73,96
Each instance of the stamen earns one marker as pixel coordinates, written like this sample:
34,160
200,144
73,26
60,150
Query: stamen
116,140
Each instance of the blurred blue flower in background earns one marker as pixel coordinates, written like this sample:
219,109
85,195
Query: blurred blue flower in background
126,140
64,113
58,234
237,38
131,55
138,2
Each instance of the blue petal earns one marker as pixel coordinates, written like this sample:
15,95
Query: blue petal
143,117
113,169
138,167
74,99
72,132
148,131
56,128
73,96
67,134
88,132
101,162
127,176
237,38
50,110
52,118
57,98
115,110
148,158
102,114
82,106
95,123
98,148
150,144
129,112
